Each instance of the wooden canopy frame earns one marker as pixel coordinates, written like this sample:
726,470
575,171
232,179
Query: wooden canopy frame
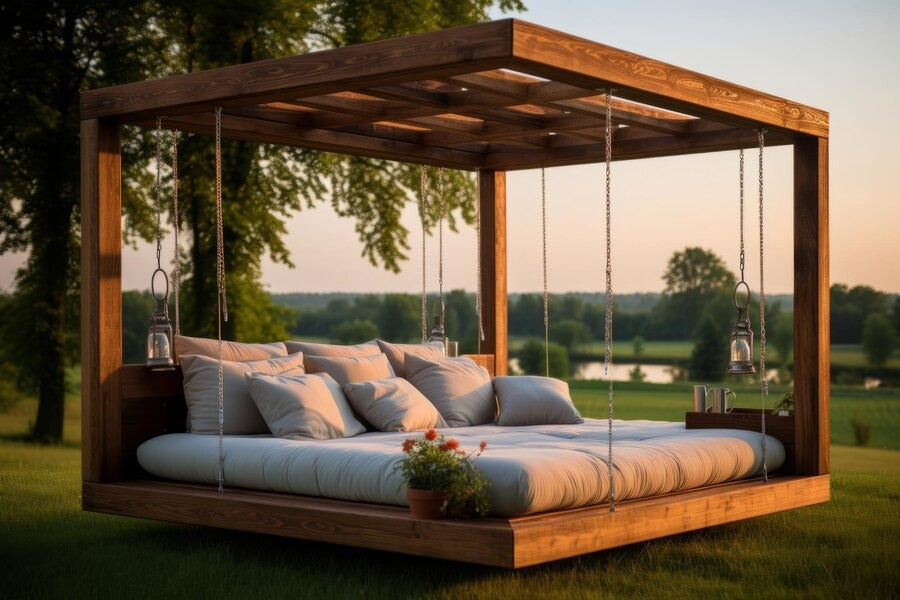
490,97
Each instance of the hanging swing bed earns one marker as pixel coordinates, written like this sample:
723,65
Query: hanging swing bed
491,97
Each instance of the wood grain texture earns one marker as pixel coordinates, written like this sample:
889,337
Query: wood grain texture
576,61
483,360
492,203
543,538
510,543
811,306
101,299
461,50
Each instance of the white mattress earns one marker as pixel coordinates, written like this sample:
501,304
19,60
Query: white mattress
531,469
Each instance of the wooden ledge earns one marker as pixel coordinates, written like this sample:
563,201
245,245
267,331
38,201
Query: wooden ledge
511,543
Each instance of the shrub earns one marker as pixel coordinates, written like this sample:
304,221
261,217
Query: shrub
355,331
532,359
878,339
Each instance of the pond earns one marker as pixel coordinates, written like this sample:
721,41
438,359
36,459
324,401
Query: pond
622,371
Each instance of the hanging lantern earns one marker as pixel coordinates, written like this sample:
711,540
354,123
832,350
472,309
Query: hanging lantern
741,361
438,333
159,338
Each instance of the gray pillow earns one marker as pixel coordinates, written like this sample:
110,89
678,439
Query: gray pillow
335,350
351,369
304,406
393,404
396,352
458,388
531,400
201,392
234,351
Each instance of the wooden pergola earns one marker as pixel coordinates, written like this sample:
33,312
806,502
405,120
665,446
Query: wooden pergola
490,97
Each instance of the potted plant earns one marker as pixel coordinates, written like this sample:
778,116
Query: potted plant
441,479
785,406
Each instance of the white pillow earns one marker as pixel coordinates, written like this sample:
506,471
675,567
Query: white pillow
532,400
393,404
334,350
304,406
351,369
396,352
201,392
458,388
235,351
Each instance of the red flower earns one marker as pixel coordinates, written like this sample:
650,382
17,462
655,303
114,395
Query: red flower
482,445
452,444
408,445
431,435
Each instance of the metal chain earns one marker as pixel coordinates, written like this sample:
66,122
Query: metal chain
441,209
544,264
607,361
478,307
157,192
423,180
762,309
741,177
176,218
222,311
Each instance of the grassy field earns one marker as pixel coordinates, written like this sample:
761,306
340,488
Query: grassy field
846,548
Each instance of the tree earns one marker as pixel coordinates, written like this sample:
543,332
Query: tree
356,331
569,333
51,51
782,336
878,339
533,361
697,271
709,358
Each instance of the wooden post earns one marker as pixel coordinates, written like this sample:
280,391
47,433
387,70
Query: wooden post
811,305
493,267
101,300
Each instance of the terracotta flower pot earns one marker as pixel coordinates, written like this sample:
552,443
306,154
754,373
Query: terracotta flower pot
426,504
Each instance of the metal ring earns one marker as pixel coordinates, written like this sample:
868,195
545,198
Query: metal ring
153,284
734,295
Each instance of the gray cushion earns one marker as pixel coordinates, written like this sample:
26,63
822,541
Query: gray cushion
459,389
335,350
201,392
531,400
393,404
303,406
396,352
351,369
235,351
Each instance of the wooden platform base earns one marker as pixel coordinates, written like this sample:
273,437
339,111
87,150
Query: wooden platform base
512,543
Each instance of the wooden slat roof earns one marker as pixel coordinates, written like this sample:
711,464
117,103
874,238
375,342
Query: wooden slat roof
501,95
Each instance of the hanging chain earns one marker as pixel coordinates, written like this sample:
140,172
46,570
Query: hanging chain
478,307
544,264
607,361
157,191
423,180
741,178
441,209
222,312
762,309
176,217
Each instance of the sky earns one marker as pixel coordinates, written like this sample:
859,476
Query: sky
834,55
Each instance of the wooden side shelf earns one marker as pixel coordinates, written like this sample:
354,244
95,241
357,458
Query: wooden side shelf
748,419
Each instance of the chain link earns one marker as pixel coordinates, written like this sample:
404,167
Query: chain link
741,177
441,209
607,361
762,308
544,264
478,307
157,192
222,313
423,181
176,218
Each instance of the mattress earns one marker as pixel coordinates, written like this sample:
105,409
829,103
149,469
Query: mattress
530,469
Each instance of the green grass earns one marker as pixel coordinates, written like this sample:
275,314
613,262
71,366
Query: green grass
851,355
846,548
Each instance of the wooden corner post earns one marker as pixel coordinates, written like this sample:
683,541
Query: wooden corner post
492,186
101,300
811,302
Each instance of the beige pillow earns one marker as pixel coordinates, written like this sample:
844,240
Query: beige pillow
333,350
459,389
201,392
351,369
393,404
304,406
531,400
396,352
234,351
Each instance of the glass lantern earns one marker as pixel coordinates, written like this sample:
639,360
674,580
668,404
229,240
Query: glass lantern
741,355
438,333
159,338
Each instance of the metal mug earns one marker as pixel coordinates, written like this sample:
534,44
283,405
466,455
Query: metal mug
720,400
700,394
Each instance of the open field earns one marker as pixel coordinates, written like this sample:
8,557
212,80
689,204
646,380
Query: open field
846,548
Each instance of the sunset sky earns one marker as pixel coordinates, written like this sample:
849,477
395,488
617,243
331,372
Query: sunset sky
837,56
